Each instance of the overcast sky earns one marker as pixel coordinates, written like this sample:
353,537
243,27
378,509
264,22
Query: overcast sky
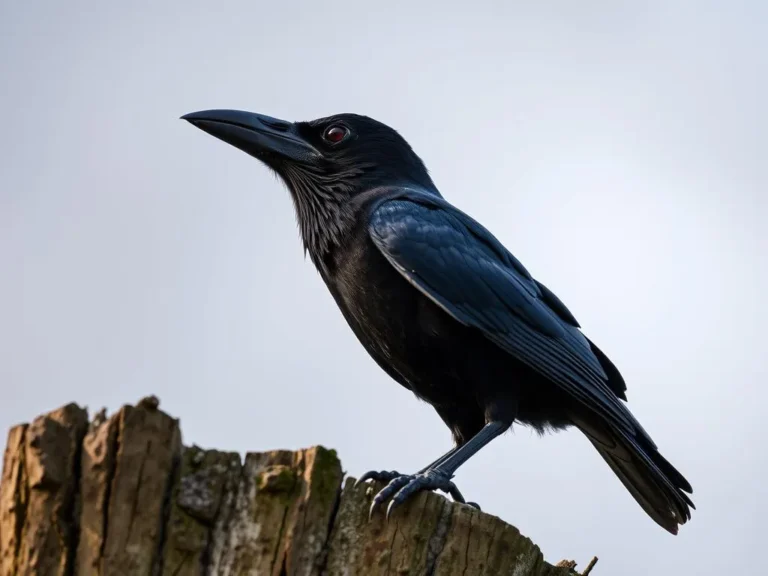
618,149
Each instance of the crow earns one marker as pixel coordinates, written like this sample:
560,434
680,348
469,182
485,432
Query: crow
444,308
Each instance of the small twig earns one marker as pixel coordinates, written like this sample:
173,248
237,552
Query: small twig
589,567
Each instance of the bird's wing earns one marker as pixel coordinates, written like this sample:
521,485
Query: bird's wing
464,269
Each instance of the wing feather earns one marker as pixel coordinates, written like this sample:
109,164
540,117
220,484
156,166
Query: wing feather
466,271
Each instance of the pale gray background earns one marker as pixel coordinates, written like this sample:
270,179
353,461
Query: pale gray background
618,150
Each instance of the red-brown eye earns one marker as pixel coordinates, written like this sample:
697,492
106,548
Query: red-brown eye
335,134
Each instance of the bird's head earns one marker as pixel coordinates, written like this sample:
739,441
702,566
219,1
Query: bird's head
323,162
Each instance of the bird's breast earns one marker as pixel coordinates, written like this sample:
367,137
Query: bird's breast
405,332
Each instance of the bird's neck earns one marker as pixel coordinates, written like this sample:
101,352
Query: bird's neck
327,218
324,223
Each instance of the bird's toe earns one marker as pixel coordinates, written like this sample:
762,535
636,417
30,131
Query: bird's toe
378,475
393,487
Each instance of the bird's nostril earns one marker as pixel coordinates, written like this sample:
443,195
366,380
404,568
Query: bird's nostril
275,124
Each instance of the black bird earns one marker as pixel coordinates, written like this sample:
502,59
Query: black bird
443,307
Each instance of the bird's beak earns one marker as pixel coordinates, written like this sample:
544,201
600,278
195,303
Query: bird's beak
258,135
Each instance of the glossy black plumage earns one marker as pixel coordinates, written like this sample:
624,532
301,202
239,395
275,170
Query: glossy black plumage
444,308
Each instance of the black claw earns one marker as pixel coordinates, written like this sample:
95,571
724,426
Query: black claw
473,504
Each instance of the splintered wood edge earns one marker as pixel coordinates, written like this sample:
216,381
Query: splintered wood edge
128,498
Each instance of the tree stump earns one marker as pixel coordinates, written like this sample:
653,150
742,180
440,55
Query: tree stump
123,496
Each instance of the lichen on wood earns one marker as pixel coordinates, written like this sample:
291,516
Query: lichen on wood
428,536
121,496
279,519
203,480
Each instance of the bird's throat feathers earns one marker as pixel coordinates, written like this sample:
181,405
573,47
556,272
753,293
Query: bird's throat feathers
323,211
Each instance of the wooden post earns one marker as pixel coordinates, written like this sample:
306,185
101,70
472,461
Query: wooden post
122,496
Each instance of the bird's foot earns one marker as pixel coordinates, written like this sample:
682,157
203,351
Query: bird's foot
402,486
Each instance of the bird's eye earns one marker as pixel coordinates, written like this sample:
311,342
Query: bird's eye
335,134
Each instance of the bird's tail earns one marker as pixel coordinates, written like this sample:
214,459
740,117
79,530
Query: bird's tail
656,485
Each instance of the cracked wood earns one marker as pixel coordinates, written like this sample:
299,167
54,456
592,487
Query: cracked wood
122,496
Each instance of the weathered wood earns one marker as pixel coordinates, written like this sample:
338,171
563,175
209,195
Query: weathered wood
13,499
122,496
429,536
203,491
97,470
148,449
38,518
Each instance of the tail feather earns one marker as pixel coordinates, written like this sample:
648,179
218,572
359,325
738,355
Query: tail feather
653,482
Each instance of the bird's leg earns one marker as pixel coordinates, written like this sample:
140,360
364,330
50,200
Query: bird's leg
438,475
389,475
472,447
440,460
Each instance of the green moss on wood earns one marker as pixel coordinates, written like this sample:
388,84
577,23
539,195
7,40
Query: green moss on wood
326,477
199,486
